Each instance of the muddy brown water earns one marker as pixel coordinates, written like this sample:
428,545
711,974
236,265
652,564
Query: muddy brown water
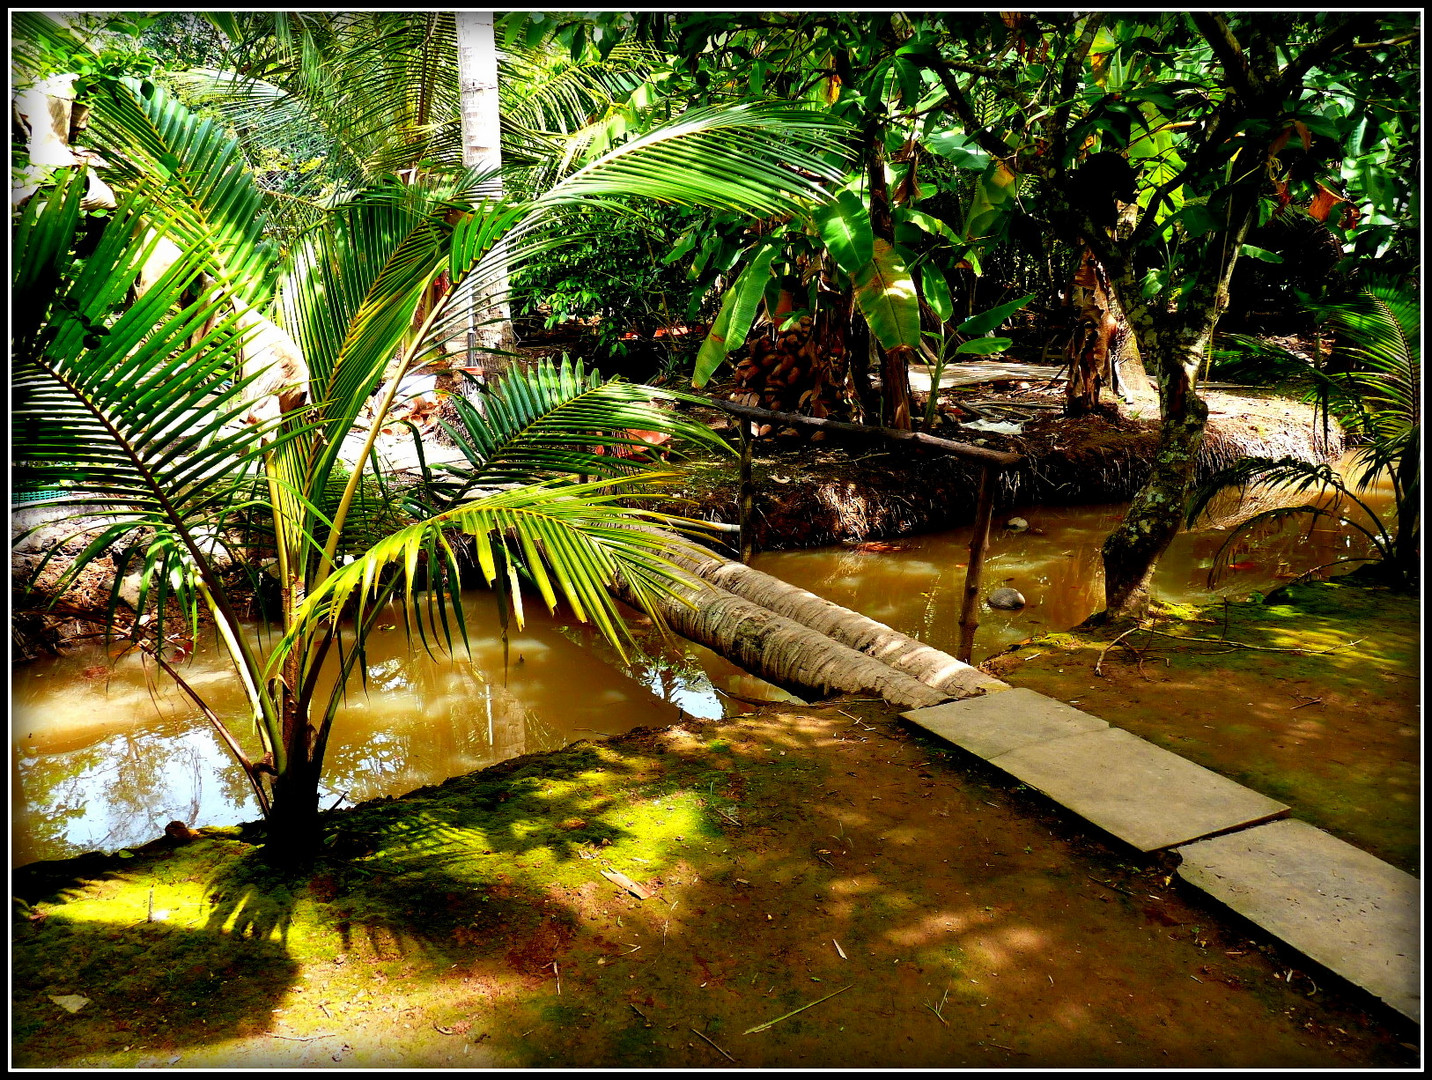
104,754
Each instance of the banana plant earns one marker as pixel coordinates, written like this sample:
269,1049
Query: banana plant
144,409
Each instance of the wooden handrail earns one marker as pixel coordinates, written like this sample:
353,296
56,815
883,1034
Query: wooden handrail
983,455
991,462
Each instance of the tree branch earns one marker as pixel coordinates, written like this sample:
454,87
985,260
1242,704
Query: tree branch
1215,30
989,142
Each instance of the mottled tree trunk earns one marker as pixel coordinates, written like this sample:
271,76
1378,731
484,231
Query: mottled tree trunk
1176,342
1131,552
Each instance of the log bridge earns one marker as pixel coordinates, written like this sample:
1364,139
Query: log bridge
804,643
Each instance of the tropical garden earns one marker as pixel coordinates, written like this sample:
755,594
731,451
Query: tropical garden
571,273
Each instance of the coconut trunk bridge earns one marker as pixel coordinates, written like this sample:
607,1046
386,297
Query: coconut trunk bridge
803,642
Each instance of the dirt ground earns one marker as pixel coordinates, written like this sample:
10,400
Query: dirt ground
819,887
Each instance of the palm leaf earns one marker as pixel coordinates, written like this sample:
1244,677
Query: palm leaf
194,172
759,157
133,407
572,541
557,421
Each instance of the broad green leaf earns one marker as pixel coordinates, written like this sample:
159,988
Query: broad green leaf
927,222
733,323
1197,219
957,148
983,346
989,320
1256,252
844,226
885,294
936,291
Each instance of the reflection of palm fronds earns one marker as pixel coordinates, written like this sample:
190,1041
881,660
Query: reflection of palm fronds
1293,476
1371,385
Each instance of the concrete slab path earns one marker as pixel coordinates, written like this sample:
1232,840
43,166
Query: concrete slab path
1146,796
1351,912
1344,909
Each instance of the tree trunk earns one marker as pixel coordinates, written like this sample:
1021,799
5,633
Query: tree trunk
804,643
291,829
905,654
1176,342
785,653
1131,552
482,149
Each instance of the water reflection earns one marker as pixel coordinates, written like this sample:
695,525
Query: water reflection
916,585
104,755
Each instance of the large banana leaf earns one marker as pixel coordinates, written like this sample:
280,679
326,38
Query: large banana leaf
885,294
738,311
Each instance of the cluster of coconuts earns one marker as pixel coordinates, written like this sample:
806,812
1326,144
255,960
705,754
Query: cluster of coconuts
785,373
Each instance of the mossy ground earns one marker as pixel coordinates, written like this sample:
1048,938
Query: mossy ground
1322,712
799,853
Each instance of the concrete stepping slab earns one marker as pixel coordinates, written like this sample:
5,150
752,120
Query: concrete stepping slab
1347,910
997,723
1146,796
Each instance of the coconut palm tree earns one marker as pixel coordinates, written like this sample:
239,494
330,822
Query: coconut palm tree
228,398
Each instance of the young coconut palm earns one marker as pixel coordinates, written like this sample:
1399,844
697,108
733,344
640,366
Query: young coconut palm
1376,396
170,416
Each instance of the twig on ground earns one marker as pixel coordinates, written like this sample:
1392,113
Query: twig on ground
1099,664
787,1016
723,1053
1258,648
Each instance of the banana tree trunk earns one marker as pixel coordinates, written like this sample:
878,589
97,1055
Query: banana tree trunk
491,325
894,362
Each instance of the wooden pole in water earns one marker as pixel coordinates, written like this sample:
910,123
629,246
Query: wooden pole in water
969,612
748,488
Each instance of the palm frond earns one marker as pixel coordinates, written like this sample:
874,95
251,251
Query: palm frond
571,540
558,421
1378,541
759,157
132,410
193,172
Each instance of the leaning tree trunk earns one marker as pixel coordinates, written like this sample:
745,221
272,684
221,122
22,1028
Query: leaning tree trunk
929,665
1131,552
1175,341
491,325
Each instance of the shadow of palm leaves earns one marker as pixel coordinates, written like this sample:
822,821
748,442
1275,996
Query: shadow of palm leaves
434,869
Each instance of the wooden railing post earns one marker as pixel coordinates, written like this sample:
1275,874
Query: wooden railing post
748,488
969,611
